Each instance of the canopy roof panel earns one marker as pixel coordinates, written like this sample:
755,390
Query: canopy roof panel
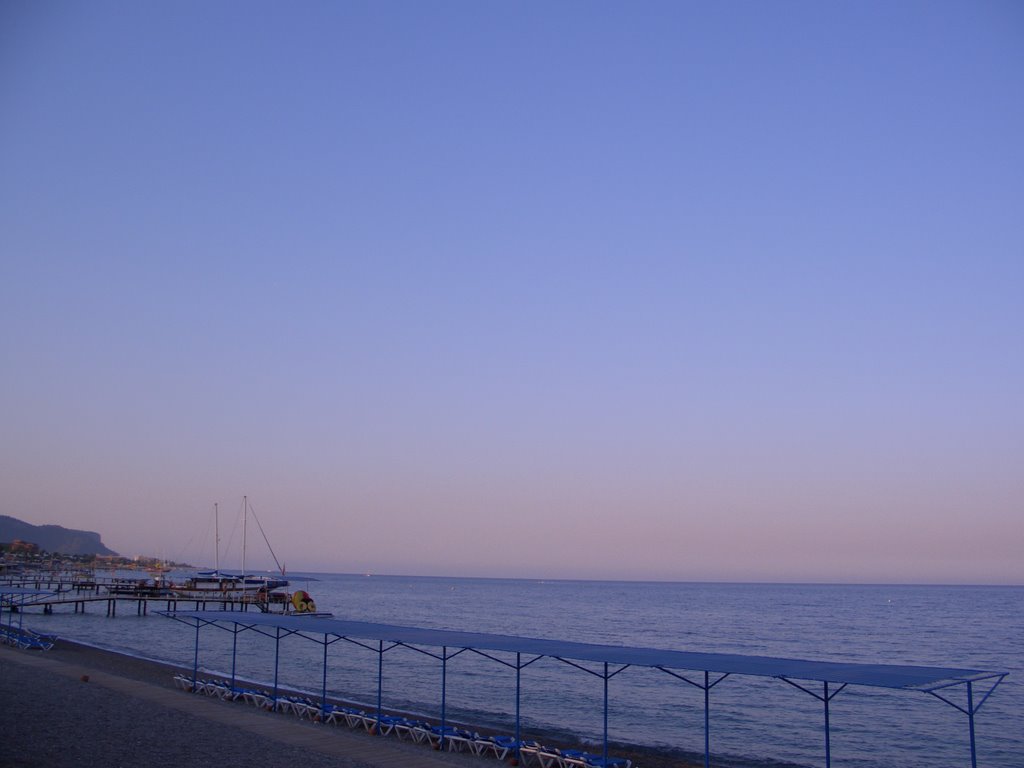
879,675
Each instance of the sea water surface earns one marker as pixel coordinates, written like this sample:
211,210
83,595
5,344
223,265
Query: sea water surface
754,721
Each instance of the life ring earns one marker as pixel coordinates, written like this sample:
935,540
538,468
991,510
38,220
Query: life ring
302,602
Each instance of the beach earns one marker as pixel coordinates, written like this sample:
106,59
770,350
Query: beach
77,706
654,719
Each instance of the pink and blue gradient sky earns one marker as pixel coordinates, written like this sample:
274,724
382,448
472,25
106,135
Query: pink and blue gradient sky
579,289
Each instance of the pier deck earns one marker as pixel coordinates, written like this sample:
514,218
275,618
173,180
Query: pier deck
56,593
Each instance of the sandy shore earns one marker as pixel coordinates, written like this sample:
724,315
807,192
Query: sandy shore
128,713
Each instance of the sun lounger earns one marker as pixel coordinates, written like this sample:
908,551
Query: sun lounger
234,693
356,718
574,758
383,725
322,714
330,714
458,740
40,640
420,733
303,707
499,746
183,682
595,761
405,729
550,757
289,705
257,698
436,734
528,752
26,639
215,688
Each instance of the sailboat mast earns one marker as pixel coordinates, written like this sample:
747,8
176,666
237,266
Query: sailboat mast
216,537
245,520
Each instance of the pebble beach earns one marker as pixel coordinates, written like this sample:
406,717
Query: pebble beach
77,706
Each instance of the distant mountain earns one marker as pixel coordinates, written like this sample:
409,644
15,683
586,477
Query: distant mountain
53,538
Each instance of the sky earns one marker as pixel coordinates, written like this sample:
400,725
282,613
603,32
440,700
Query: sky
603,290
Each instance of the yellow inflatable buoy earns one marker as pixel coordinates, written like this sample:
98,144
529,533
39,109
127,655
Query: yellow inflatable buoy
302,602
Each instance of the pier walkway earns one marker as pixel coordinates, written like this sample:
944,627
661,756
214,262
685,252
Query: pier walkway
55,593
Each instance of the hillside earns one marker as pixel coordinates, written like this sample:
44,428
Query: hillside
53,538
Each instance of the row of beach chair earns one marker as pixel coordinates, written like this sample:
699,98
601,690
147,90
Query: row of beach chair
449,737
26,638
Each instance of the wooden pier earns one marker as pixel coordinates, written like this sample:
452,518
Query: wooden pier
56,592
168,603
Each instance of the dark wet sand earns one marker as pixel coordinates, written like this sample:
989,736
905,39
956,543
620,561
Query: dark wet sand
130,714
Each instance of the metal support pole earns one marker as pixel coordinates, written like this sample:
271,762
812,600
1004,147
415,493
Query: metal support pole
444,694
234,654
707,721
323,690
519,674
971,709
605,754
828,736
277,656
825,697
195,660
706,687
970,720
380,681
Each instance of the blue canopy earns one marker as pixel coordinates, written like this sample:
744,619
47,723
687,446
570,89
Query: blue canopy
838,675
880,675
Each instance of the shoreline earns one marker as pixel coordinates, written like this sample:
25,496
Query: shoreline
33,669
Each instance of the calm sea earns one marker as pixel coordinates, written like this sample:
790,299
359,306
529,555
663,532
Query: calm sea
754,721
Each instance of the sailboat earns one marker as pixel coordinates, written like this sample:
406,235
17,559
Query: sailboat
216,583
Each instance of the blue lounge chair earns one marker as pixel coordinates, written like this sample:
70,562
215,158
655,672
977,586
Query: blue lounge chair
596,761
